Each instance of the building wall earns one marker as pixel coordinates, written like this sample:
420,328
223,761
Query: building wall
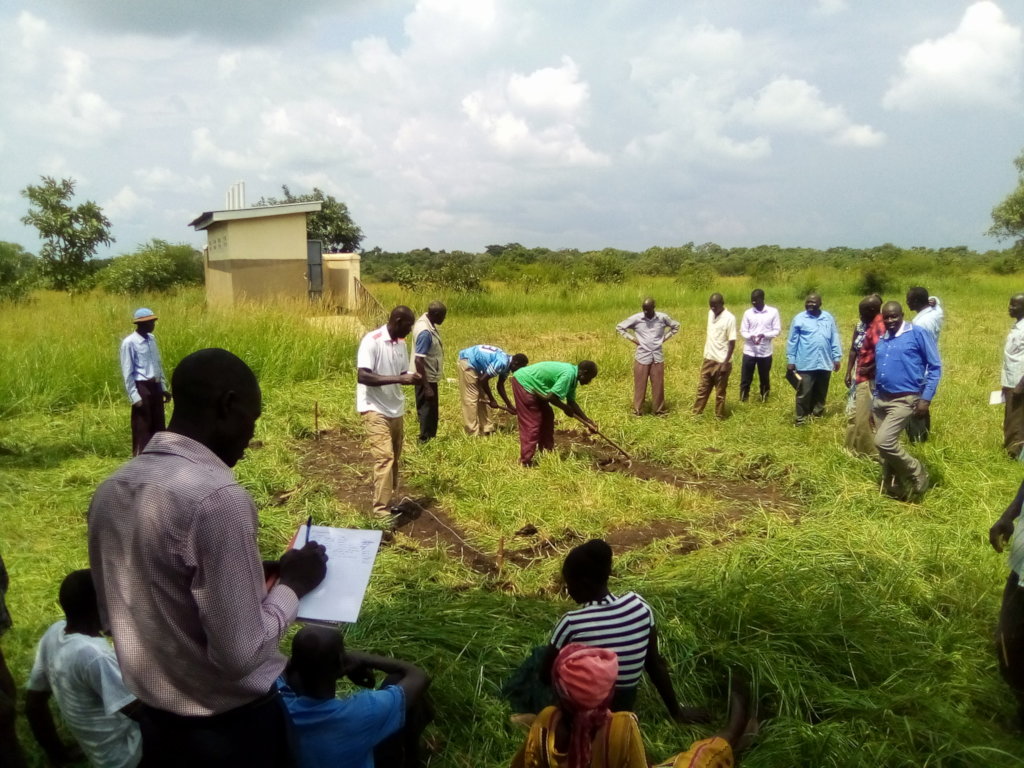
256,259
341,270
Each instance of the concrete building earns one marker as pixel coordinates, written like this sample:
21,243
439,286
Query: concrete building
263,253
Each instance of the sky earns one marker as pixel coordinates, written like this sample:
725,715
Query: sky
454,124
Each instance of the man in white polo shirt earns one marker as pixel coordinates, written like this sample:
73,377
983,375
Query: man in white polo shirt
383,363
718,349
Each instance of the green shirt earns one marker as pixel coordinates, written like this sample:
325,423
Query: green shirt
549,379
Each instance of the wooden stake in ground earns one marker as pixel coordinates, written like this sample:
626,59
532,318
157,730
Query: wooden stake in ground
316,419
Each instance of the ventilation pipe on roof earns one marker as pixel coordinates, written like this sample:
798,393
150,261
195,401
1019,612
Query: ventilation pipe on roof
235,198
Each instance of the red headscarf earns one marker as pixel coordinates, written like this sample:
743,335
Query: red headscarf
584,679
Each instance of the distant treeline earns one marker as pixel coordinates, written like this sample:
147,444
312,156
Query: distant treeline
154,266
696,265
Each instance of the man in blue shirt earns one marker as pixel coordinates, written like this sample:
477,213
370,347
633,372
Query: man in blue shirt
477,366
373,727
144,380
907,371
813,353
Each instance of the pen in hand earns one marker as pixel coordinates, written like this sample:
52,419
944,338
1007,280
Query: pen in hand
309,524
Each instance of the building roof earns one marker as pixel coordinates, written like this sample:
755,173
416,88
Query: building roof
212,217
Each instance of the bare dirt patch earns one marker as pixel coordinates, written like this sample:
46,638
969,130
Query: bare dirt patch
740,495
341,461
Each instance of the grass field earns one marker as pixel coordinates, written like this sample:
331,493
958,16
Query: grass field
865,624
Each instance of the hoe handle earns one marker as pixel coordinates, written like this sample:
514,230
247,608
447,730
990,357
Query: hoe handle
610,442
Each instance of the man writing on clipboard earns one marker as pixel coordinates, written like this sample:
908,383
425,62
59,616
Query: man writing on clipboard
180,583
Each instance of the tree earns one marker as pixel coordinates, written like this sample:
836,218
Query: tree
18,269
154,266
70,235
332,224
1008,216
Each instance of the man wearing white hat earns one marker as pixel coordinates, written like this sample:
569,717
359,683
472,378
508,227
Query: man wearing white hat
144,379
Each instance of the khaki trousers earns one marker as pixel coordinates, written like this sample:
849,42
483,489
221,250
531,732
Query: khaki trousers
891,417
476,417
860,430
712,376
641,373
385,437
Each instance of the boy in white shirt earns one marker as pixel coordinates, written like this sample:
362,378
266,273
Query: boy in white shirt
78,667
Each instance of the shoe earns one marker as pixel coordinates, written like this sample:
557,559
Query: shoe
384,514
921,484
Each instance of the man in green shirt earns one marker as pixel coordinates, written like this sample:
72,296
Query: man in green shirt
536,388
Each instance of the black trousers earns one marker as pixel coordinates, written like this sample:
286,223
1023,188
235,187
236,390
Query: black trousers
403,749
147,416
764,367
426,411
811,394
258,734
1010,638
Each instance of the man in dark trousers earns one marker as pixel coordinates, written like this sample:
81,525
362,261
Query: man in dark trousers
813,354
428,359
144,381
181,584
1010,632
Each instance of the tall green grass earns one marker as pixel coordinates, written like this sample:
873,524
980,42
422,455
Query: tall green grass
864,623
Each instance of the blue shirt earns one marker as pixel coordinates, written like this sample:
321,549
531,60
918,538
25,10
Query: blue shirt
140,361
907,362
813,343
343,732
487,360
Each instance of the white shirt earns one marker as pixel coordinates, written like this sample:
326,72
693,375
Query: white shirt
721,330
1013,356
931,319
381,355
765,322
83,675
140,361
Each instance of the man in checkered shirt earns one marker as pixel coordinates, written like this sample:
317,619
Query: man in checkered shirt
180,582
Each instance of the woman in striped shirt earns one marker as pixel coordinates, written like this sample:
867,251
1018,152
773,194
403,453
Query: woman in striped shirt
623,624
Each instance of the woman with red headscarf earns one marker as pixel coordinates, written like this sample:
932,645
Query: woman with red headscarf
580,731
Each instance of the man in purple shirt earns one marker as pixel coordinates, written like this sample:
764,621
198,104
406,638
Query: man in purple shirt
181,585
907,371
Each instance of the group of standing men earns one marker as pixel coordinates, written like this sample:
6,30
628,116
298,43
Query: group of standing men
892,372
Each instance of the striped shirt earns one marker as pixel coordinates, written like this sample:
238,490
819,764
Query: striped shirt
620,624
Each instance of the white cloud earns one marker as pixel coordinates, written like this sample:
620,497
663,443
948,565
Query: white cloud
829,7
979,63
795,106
536,116
551,89
32,30
451,28
125,203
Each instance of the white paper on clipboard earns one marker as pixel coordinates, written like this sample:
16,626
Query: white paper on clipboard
350,557
996,398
